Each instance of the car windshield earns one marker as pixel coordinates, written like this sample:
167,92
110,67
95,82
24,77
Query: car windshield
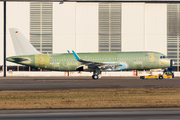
169,73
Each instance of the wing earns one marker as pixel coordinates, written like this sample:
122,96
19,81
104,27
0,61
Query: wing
94,65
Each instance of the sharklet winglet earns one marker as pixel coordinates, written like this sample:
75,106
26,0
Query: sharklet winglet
76,56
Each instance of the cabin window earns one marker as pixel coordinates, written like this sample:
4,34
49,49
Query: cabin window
11,68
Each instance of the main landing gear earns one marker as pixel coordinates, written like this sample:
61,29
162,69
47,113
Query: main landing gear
96,74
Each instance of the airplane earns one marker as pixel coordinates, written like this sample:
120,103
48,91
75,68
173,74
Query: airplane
90,62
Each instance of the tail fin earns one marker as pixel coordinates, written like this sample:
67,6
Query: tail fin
21,45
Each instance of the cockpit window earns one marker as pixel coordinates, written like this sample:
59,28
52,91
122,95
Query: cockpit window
163,57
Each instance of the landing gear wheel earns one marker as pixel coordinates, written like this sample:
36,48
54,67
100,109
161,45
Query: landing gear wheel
92,76
96,74
96,77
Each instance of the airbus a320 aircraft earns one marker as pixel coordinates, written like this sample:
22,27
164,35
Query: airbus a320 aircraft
90,62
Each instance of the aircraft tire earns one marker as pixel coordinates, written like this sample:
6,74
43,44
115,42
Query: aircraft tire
96,77
92,76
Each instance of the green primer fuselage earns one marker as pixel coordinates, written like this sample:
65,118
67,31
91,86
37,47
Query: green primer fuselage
67,61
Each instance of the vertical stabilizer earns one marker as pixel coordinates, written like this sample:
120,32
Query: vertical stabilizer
21,45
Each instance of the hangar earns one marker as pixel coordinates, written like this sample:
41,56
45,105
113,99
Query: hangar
93,26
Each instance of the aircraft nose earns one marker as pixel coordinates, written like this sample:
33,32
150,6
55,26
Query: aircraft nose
171,62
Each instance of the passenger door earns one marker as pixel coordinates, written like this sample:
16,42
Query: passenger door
151,56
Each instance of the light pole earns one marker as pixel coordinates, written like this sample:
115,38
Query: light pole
4,39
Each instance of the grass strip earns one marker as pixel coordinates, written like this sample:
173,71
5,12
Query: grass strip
91,98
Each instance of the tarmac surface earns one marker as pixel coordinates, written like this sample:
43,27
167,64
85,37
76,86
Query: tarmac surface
91,114
58,83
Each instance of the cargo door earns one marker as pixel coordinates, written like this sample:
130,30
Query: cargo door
151,55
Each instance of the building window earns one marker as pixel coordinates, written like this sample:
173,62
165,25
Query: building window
11,68
41,26
173,32
23,68
109,27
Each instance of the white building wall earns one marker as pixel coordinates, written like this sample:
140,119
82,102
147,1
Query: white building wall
64,27
132,26
144,27
156,27
1,33
75,27
18,16
87,27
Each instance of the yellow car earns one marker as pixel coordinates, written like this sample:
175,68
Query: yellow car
166,75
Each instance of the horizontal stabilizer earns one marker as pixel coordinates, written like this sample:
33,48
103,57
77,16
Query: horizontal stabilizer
21,45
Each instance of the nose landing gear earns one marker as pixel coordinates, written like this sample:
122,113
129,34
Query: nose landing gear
96,74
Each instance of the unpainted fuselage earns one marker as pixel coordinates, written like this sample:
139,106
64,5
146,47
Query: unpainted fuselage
122,60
